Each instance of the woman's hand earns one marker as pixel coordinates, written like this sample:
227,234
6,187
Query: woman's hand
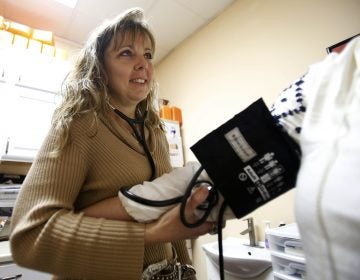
170,228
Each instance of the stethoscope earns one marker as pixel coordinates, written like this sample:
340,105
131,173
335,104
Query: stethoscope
140,136
211,201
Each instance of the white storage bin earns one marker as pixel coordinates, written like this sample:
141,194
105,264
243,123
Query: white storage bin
288,265
287,256
286,239
286,245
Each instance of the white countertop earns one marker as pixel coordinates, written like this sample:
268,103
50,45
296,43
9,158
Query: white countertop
5,254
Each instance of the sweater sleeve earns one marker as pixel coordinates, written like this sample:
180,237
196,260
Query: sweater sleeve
48,235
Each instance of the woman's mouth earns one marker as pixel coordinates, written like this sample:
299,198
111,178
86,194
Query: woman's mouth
138,81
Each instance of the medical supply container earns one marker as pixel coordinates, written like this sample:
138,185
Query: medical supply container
287,256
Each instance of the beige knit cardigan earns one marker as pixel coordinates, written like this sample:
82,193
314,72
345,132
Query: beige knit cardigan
51,234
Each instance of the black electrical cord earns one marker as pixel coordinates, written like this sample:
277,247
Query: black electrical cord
220,245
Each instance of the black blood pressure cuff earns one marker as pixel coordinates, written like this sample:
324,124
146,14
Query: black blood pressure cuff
250,160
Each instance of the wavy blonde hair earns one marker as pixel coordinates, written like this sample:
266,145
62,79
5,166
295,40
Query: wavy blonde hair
85,88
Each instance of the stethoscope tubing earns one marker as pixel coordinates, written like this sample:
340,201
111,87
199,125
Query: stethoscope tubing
213,196
211,201
140,137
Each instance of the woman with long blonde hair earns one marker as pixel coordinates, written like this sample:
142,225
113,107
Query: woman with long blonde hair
105,135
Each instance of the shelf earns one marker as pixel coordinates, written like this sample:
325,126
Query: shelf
288,257
278,275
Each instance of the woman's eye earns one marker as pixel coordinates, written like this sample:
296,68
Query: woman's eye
125,53
148,56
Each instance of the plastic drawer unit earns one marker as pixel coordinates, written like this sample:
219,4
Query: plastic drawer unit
287,256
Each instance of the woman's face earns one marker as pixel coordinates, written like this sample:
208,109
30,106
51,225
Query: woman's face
130,71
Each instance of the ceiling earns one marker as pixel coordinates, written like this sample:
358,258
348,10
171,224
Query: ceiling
172,21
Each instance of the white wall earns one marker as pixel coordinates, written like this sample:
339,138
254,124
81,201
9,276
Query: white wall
254,49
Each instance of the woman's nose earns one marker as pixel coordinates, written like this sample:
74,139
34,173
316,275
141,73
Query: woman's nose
141,63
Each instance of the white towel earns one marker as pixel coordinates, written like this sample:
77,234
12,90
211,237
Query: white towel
168,186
